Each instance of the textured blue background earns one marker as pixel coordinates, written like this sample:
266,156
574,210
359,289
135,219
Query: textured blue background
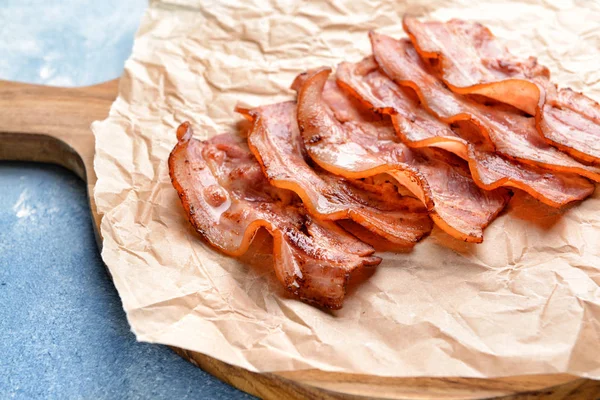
63,333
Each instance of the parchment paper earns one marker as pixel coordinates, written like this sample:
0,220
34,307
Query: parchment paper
525,301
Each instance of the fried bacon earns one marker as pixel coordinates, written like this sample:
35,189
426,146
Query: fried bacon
567,98
345,138
418,128
276,143
333,175
471,61
513,135
227,199
570,121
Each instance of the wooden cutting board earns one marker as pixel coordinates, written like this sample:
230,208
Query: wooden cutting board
49,124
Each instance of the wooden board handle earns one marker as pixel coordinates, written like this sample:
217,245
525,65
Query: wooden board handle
52,124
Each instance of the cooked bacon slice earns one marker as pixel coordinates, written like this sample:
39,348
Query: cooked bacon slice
571,133
367,236
347,139
571,122
227,199
472,61
512,134
418,128
276,143
567,98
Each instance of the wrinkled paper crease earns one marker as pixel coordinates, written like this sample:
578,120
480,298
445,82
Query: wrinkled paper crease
526,301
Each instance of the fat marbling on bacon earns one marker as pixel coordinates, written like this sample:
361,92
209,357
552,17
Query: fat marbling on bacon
512,134
275,141
417,128
470,60
227,199
347,139
570,121
392,121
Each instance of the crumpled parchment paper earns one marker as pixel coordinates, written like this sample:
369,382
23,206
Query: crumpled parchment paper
526,301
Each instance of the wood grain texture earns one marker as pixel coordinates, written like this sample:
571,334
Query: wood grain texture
49,124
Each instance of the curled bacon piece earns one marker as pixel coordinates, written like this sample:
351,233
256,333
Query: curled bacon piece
513,135
227,199
418,128
567,98
276,143
471,61
570,121
347,139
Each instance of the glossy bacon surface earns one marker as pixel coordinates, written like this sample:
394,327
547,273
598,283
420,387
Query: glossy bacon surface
513,135
276,142
470,60
227,199
347,139
570,121
418,128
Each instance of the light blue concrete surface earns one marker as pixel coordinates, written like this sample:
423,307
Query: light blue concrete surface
66,42
63,333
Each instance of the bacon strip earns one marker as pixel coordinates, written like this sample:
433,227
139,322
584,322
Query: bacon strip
344,138
570,121
276,143
513,135
567,98
227,199
418,128
470,60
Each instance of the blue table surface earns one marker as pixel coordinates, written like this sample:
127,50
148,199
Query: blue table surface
63,332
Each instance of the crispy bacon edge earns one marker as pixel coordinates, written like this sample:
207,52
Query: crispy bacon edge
296,277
